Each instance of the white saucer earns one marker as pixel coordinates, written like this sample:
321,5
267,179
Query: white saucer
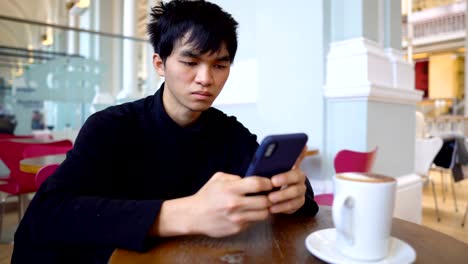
322,244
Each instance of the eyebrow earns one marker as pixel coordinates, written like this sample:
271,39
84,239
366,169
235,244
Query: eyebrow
191,54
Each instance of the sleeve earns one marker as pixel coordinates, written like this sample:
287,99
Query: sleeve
77,205
310,207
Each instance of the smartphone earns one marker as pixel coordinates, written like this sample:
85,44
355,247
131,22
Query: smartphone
276,154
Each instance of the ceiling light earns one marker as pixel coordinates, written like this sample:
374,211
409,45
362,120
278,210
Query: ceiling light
77,7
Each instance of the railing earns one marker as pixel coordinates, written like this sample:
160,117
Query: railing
439,24
443,116
446,125
420,5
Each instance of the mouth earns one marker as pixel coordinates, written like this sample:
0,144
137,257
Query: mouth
200,95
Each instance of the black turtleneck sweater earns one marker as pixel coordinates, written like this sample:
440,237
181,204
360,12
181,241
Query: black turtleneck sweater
126,161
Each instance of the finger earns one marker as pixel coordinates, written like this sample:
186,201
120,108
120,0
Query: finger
288,178
246,217
300,158
291,192
225,177
259,202
289,206
251,184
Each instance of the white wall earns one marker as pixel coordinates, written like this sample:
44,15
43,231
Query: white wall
286,42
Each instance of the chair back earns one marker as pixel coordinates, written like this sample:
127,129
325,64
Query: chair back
44,173
11,153
46,149
11,136
425,152
420,125
354,161
348,161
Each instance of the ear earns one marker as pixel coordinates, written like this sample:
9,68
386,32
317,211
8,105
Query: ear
158,65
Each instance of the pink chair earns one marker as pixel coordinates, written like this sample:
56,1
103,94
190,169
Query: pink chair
348,161
46,149
354,161
11,152
44,173
11,136
19,183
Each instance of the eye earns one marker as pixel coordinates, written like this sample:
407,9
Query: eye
189,63
220,66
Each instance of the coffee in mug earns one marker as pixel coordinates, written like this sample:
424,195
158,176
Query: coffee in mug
362,214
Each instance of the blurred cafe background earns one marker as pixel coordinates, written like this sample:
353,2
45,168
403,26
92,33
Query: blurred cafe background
352,74
60,61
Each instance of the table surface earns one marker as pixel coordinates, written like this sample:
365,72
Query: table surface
32,140
32,165
281,239
312,152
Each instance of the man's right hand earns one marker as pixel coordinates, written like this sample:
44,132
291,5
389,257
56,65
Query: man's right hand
220,208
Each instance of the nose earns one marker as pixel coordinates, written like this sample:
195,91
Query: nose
204,76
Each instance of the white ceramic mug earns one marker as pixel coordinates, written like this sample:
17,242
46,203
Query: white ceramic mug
362,214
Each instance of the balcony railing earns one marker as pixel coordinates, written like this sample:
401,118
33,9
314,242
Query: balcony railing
444,23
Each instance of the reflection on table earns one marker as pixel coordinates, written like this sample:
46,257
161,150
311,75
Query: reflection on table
32,165
281,239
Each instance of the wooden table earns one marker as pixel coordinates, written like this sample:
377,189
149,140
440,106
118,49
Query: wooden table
32,140
312,152
32,165
281,239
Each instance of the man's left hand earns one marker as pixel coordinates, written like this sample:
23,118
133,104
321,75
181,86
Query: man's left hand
291,196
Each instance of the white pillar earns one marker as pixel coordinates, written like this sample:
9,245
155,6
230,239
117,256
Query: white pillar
72,36
106,54
370,95
129,90
117,66
466,61
152,78
369,88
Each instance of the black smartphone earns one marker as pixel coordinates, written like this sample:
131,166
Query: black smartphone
276,154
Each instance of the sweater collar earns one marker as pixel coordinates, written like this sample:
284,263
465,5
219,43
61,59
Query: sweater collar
162,115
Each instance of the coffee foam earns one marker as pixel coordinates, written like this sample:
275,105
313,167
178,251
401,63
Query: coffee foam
365,177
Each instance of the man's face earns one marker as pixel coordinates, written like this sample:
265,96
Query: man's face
192,80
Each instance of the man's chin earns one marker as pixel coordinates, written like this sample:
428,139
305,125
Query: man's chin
200,107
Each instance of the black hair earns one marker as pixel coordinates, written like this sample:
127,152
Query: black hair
205,25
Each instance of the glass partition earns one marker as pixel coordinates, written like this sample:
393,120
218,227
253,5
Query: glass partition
54,78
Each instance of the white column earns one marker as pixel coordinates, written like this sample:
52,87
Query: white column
117,66
152,78
466,61
369,89
72,36
106,54
129,90
371,100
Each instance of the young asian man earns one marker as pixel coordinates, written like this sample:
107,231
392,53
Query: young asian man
166,165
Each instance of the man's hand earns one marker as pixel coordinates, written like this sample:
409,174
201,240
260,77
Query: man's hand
291,196
223,209
219,208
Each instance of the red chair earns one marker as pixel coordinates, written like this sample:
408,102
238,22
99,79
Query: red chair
11,152
348,161
354,161
19,183
44,173
11,136
42,150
